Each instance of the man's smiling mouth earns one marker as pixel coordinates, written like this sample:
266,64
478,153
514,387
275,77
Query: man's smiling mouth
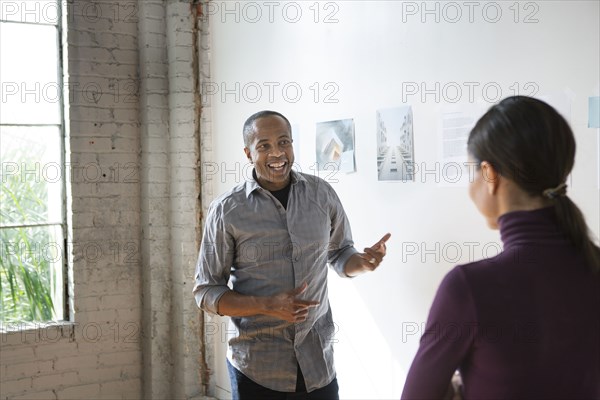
277,166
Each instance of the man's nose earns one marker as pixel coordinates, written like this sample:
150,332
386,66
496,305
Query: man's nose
276,152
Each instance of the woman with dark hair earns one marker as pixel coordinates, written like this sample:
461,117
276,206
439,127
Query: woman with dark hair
526,323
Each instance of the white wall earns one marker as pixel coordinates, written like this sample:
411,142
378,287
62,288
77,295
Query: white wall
372,54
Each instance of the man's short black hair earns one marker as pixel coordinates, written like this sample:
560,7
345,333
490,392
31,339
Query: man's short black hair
249,124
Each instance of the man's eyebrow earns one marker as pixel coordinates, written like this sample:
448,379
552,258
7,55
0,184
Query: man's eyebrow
283,135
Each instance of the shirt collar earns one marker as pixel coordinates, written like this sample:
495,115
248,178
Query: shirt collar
252,185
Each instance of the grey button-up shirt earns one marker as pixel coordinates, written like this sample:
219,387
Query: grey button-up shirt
264,249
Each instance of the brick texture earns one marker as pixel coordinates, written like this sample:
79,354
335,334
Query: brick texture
133,150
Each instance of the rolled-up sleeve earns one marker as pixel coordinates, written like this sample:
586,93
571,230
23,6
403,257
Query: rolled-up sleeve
341,245
214,261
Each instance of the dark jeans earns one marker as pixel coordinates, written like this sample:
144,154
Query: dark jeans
243,388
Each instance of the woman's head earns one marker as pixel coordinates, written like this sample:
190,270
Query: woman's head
529,147
526,141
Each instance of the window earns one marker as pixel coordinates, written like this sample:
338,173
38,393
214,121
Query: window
32,132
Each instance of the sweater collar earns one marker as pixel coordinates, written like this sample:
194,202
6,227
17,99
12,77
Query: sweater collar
538,226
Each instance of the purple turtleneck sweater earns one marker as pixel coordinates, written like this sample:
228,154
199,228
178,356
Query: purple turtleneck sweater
522,325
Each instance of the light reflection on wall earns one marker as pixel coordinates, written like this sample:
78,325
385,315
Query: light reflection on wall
366,368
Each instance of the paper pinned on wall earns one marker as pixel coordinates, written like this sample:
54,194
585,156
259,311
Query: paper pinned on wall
335,146
561,101
594,122
395,144
453,132
594,112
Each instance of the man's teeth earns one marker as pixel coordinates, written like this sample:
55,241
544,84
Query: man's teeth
277,165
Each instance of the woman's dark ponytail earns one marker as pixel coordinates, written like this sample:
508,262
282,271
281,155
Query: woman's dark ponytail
571,220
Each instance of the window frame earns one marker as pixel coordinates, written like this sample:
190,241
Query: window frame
62,311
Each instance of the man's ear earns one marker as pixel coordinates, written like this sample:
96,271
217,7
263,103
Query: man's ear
491,177
247,151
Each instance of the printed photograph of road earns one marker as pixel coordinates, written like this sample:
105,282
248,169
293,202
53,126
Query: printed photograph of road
395,149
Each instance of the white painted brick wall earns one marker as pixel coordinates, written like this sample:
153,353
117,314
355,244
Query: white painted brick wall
154,120
207,189
134,141
184,129
99,356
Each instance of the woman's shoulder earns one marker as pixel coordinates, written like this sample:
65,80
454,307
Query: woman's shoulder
474,275
484,267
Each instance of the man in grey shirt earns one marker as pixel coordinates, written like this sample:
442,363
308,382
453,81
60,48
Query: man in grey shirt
273,237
